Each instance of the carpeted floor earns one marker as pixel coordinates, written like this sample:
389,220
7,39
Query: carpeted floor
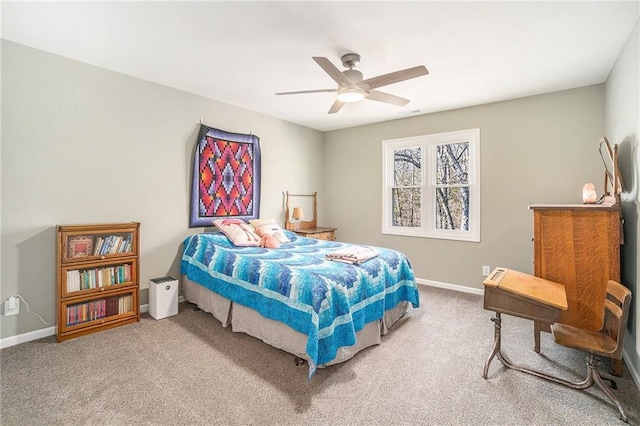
189,370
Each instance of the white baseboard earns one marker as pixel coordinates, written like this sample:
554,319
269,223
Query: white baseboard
49,331
635,374
454,287
27,337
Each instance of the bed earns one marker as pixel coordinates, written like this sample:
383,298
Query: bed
294,298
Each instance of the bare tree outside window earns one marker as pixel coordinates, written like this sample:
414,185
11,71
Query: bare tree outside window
431,186
452,186
407,179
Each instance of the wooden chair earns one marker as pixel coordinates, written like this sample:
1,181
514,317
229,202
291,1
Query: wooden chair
606,342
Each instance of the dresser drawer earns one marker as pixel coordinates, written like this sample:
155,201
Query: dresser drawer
322,236
318,233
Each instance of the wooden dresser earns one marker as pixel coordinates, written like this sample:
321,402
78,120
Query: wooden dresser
577,245
307,228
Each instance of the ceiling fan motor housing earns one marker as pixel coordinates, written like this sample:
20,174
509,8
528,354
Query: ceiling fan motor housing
350,60
354,75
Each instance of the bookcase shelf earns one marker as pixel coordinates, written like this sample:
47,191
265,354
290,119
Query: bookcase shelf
97,277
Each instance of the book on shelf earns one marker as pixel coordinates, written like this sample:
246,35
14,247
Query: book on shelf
125,304
98,309
87,311
107,245
116,248
124,245
99,243
112,306
127,244
73,280
98,277
112,244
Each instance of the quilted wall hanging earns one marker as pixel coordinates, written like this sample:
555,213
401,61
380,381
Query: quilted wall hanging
226,177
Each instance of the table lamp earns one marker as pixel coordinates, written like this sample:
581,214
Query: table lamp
296,216
589,194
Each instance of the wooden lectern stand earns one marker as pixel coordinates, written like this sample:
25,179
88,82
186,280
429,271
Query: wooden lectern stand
521,295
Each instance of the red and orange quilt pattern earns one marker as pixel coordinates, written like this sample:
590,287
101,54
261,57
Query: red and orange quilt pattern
226,177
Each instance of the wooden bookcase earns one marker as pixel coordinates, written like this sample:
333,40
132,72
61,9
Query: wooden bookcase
97,272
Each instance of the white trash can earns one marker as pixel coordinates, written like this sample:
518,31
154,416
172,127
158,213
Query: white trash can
163,297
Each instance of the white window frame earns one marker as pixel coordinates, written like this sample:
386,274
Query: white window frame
428,144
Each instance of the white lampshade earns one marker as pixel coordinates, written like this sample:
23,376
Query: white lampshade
297,213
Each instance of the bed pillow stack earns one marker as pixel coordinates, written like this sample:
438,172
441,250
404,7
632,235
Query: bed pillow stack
239,232
243,234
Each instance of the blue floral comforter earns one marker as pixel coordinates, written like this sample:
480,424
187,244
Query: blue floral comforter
327,301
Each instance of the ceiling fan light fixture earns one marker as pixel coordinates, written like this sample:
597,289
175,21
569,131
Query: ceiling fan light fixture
351,86
350,94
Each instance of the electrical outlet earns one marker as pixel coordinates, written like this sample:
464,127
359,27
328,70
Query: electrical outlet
486,270
11,306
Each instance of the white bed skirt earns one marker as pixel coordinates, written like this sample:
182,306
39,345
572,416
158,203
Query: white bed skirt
276,333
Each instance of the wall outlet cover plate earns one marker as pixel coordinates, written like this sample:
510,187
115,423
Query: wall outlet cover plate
11,306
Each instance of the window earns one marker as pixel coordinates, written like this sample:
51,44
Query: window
431,186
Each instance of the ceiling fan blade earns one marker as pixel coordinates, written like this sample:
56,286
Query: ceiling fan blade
336,106
375,95
393,77
331,69
307,91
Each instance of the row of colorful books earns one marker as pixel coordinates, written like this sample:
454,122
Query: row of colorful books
112,244
98,309
99,277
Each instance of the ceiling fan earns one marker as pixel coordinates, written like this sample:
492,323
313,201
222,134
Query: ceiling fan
351,86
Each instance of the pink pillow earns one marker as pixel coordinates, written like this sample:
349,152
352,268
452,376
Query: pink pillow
240,233
269,226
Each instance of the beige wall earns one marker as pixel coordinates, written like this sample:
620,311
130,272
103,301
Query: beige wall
623,128
539,149
82,144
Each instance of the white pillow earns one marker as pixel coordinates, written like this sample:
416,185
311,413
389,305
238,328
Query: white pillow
240,233
269,226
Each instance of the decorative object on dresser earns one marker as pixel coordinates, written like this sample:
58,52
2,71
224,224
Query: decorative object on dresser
296,216
613,184
578,245
310,228
97,278
589,193
225,178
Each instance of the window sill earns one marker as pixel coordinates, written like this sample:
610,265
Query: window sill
466,237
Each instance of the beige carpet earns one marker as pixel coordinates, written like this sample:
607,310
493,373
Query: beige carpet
188,370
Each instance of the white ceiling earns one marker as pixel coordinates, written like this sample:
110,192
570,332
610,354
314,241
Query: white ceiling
242,53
